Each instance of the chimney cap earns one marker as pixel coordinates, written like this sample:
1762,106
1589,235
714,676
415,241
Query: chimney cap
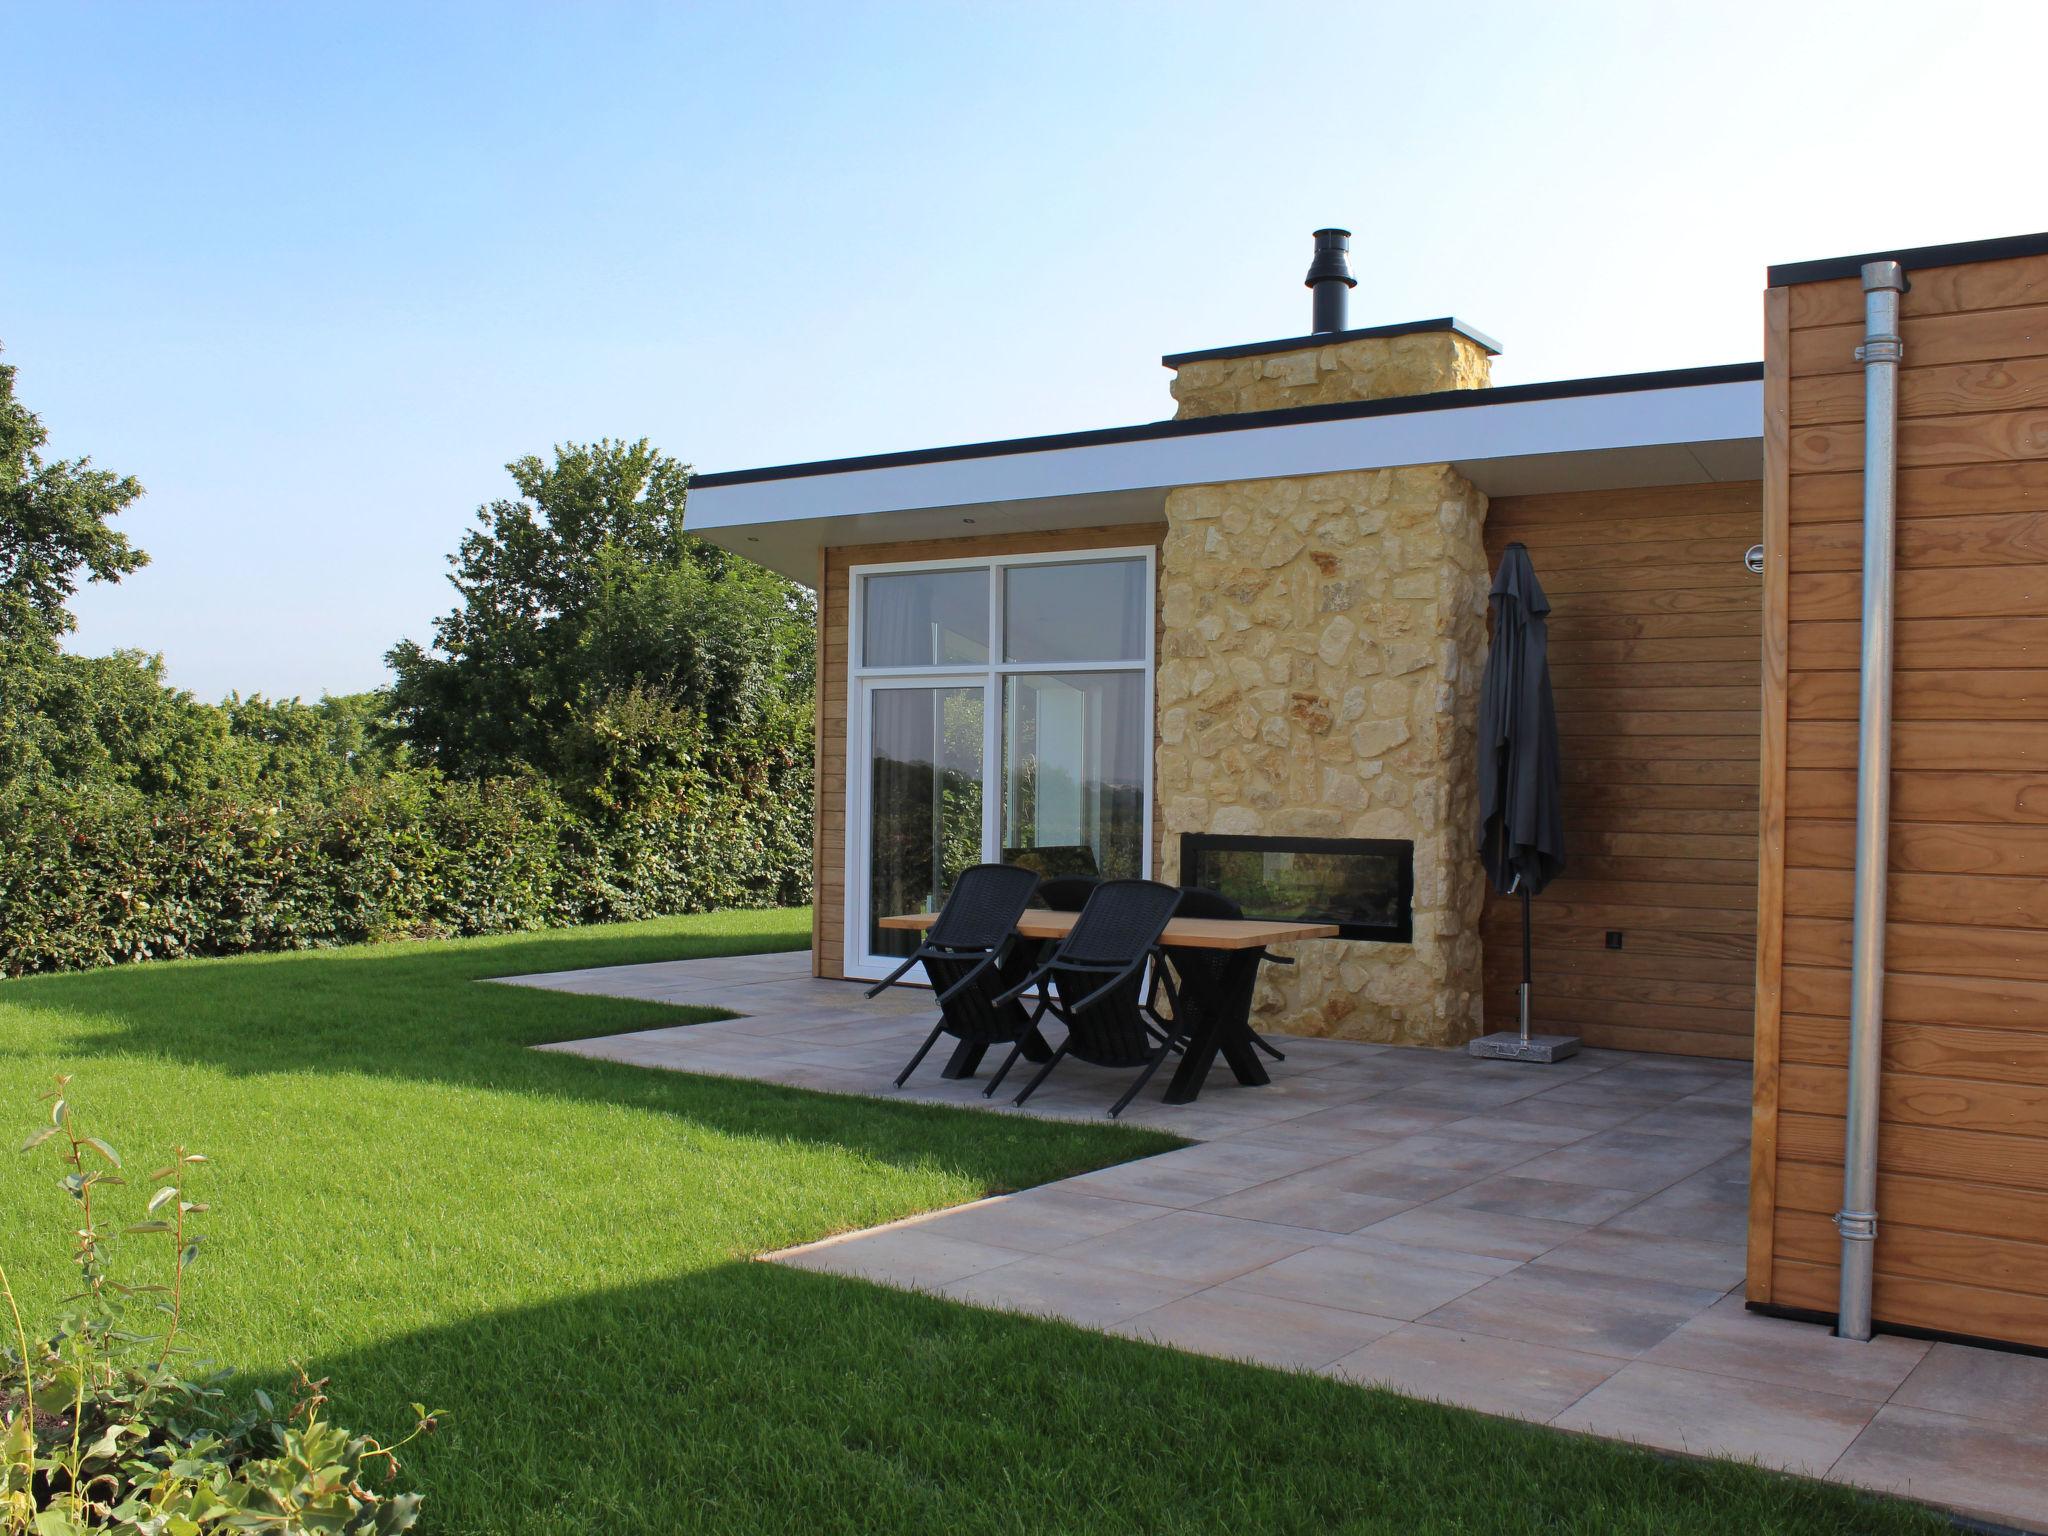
1332,260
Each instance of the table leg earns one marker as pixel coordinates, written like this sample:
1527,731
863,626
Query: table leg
1222,1023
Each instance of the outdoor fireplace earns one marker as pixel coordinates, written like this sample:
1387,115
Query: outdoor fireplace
1366,886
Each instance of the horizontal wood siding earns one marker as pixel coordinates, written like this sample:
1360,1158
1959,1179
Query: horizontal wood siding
1654,649
1963,1140
828,923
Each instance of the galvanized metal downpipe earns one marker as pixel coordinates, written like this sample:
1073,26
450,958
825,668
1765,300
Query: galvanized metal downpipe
1883,283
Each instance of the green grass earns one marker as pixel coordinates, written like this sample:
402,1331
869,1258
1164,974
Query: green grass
557,1250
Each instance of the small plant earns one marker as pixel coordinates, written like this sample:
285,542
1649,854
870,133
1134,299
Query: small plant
101,1433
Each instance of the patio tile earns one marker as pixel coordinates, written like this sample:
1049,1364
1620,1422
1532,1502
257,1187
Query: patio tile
1623,1160
1684,1261
1575,1309
1472,1093
1570,1114
1492,1375
1511,1194
1040,1220
1453,1258
1192,1246
1735,1090
1058,1285
1434,1151
1676,1410
1723,1123
1266,1160
1470,1231
1601,1093
1683,1211
1239,1325
1970,1464
1402,1287
1297,1202
1155,1181
1502,1126
1730,1340
1668,1075
908,1256
1380,1116
1978,1383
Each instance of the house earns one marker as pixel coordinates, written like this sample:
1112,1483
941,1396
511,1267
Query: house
1242,647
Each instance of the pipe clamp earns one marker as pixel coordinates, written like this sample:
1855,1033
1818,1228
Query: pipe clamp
1857,1226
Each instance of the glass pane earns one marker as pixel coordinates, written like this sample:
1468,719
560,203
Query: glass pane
1074,773
1092,610
924,619
924,811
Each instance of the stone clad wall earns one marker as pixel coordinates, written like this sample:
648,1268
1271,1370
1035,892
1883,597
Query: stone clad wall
1322,641
1371,368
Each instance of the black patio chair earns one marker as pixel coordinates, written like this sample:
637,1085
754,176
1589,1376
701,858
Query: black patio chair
1095,985
963,953
1202,968
1067,893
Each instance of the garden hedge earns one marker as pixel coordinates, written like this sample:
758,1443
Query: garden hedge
103,875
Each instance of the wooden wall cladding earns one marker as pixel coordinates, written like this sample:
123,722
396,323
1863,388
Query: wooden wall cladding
1963,1141
1654,651
828,919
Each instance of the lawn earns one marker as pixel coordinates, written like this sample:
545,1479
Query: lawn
556,1250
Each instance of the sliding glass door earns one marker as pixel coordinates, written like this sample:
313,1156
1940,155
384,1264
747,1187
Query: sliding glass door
924,800
998,710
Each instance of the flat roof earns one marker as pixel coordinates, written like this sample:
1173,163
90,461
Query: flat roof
1918,257
1686,426
1248,421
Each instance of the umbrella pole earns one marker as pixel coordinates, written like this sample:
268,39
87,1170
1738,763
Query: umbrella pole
1526,965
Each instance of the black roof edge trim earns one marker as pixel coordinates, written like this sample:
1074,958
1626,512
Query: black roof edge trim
1959,255
1334,338
1299,415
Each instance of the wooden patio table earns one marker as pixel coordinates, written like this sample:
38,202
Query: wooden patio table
1219,1013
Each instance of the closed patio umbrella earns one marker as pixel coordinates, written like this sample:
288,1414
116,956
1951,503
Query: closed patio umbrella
1521,814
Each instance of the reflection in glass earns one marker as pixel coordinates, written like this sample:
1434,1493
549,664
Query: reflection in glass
924,618
1091,610
924,816
1074,773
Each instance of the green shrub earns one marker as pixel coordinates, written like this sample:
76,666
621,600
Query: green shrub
104,874
101,1430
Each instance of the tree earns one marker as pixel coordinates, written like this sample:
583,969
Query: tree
582,599
53,528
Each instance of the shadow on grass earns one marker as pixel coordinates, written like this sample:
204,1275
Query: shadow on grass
415,1012
753,1398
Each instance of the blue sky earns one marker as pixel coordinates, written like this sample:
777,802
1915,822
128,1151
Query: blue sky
313,273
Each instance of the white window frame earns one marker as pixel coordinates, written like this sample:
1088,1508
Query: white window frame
988,676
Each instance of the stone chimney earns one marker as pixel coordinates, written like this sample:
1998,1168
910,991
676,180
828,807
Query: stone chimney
1332,363
1321,645
1377,363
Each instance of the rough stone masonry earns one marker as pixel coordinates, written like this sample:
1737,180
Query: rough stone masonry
1321,645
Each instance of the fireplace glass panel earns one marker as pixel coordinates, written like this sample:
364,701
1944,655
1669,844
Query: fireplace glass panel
1366,886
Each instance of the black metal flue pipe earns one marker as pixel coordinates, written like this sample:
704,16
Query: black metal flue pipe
1330,281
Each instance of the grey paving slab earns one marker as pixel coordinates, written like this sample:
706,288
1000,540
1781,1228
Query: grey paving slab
1576,1309
1979,1383
1271,1331
1556,1244
1504,1376
1789,1429
1993,1470
1402,1285
1729,1340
